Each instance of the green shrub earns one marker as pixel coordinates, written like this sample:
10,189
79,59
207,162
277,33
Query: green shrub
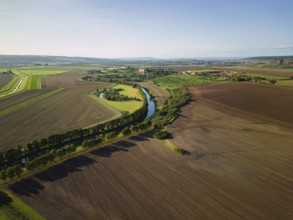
161,135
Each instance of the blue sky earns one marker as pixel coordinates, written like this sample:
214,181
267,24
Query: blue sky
161,28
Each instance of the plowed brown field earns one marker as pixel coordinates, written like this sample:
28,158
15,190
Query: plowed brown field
258,100
4,80
65,80
237,168
69,109
22,97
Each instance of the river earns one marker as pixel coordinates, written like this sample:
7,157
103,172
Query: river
151,105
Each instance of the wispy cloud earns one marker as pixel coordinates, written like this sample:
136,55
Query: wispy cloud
284,46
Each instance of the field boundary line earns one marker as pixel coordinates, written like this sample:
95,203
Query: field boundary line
30,101
116,113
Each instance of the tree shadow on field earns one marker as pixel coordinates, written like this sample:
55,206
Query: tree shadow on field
142,137
4,199
26,187
65,168
122,146
107,151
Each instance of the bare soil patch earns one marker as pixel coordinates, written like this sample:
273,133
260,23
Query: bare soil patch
161,94
4,80
65,80
234,171
273,102
69,109
22,97
237,168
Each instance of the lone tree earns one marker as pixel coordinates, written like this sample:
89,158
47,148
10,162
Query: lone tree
273,81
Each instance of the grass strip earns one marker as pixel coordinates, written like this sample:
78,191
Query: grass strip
15,208
171,146
10,86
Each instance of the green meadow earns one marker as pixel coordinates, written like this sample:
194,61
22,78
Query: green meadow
126,106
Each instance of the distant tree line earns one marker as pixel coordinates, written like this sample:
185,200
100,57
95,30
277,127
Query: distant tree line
248,78
7,72
94,72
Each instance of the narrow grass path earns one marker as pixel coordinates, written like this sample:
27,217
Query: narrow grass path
15,208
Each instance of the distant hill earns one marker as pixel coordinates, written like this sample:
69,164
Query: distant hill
30,59
274,62
268,58
266,62
20,60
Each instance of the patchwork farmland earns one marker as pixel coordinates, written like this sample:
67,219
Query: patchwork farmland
236,167
68,109
227,155
146,110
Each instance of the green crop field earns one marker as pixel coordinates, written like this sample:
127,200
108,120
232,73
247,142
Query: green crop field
35,82
25,84
11,85
41,72
13,208
28,83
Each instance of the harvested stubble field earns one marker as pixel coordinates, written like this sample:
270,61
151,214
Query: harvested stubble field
69,109
4,80
237,168
263,71
160,94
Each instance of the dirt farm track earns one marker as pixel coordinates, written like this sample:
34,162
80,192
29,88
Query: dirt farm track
239,166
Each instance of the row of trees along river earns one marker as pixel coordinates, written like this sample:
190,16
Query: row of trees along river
57,146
